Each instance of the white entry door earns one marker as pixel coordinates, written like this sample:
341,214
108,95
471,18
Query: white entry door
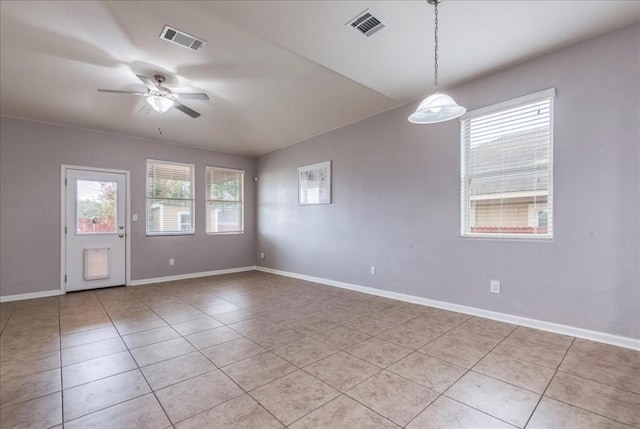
95,229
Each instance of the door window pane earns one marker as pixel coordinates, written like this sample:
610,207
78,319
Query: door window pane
96,207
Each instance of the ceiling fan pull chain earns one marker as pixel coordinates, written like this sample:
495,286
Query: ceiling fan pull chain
435,80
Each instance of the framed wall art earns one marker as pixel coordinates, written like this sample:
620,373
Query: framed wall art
314,184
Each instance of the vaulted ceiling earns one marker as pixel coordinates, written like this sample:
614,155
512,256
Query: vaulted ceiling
276,72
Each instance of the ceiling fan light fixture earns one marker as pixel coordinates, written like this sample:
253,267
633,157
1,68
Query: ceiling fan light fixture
160,104
436,108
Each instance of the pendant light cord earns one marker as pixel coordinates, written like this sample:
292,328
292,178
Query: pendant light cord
435,81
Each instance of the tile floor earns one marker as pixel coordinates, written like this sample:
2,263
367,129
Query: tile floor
254,350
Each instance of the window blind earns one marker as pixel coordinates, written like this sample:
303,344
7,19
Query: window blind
170,202
506,169
225,200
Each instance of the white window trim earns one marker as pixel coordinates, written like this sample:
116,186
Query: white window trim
464,213
193,201
207,200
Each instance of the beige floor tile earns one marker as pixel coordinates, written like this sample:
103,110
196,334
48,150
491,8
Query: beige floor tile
43,412
214,309
233,351
198,394
140,413
341,338
340,317
29,365
544,355
276,337
501,400
369,325
27,348
530,335
212,337
396,316
239,413
427,371
488,325
95,369
258,370
181,315
310,326
197,325
168,372
305,351
29,387
85,337
342,371
452,351
151,336
91,397
164,350
407,337
432,326
134,326
602,399
447,316
254,326
92,350
379,352
519,373
613,354
235,316
619,376
343,412
446,413
477,338
293,396
551,414
84,324
396,398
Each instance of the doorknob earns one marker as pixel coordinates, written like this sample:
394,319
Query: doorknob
121,235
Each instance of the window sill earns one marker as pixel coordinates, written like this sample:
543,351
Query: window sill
508,237
167,234
226,233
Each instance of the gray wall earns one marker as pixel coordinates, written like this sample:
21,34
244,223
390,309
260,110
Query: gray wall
396,200
30,158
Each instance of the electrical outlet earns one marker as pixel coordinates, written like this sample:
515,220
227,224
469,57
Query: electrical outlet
373,269
261,255
494,286
135,217
171,261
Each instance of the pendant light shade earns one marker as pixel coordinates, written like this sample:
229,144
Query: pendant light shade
437,107
159,104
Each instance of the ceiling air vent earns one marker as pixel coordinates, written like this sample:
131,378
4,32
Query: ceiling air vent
366,23
181,38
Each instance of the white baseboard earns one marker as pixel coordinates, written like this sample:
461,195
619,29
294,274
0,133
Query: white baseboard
616,340
22,296
190,276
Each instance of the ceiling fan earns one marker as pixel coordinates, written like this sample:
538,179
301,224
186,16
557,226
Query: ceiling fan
161,98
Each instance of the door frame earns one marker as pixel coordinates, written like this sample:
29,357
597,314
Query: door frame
63,220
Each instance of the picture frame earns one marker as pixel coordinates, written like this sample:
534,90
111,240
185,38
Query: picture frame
314,184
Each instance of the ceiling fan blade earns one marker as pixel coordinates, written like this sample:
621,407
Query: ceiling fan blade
149,83
184,109
146,109
122,92
191,95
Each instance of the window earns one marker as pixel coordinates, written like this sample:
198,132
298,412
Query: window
225,200
169,198
506,169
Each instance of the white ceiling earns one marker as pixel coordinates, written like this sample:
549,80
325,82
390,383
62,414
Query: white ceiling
277,72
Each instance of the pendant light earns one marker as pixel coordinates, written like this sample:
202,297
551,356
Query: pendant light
437,107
